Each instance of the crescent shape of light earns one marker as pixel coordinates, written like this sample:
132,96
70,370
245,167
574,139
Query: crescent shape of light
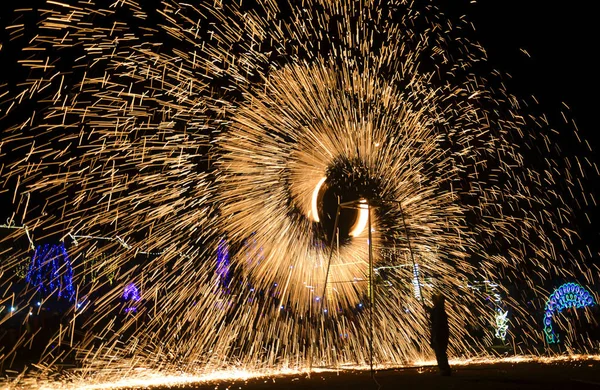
314,211
363,219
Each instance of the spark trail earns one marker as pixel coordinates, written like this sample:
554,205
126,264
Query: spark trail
153,137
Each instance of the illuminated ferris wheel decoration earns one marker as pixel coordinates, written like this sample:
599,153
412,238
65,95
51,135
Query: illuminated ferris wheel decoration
569,295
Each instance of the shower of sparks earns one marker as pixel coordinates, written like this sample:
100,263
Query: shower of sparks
149,133
148,378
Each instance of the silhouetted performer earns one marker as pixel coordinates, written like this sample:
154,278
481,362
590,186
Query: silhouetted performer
440,333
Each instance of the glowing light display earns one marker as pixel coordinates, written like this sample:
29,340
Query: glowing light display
415,282
501,324
132,296
131,293
223,263
51,272
494,298
569,295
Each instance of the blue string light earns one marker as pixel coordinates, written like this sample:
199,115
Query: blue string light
569,295
51,270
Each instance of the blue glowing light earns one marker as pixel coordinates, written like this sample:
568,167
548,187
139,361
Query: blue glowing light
50,270
223,264
569,295
131,293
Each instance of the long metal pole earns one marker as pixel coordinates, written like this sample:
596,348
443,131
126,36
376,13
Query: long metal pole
371,290
412,257
333,235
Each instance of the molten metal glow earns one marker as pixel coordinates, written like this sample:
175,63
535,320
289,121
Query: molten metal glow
314,206
148,378
363,219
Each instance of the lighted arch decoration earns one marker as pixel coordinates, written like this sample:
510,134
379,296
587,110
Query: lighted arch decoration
569,295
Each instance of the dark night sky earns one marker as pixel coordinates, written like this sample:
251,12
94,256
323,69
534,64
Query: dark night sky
559,36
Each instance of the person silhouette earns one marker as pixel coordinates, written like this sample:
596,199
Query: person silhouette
440,333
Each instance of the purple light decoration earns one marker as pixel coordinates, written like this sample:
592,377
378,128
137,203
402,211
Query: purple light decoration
131,293
223,264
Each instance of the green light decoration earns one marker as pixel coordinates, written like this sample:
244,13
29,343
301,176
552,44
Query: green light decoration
90,274
501,321
22,268
569,295
501,324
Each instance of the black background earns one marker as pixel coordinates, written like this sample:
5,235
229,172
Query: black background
560,37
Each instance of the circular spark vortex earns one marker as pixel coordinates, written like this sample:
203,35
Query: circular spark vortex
198,152
369,140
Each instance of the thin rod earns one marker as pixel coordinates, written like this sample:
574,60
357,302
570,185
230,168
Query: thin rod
333,235
412,256
371,292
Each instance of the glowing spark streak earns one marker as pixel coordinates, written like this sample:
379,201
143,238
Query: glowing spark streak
314,212
363,218
150,378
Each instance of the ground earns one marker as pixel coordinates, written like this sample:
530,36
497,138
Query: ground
563,375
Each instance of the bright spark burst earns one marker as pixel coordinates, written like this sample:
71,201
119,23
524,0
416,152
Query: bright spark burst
149,379
157,130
